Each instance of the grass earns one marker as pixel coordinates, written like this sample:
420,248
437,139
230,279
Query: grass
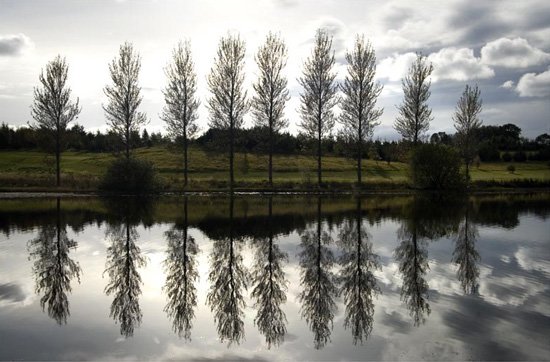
25,170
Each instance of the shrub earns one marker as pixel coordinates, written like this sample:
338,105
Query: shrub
506,157
131,176
511,168
436,167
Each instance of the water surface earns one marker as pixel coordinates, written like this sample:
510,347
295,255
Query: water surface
281,277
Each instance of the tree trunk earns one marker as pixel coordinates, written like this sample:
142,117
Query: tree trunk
231,141
127,144
271,156
185,160
467,172
319,180
359,158
57,158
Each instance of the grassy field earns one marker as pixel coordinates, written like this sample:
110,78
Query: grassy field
82,170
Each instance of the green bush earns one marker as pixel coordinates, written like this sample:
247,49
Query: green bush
511,168
131,176
436,167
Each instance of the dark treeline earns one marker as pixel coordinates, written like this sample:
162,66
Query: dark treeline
498,143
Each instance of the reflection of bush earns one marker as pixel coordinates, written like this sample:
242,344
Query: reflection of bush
131,176
436,167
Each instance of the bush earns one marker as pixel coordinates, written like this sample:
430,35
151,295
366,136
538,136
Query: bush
506,157
131,176
436,167
511,168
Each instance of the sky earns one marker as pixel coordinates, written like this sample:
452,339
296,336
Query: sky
503,46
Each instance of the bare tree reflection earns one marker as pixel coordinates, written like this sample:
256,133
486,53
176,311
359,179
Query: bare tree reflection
270,286
123,260
53,268
412,256
318,282
358,281
228,278
181,275
466,256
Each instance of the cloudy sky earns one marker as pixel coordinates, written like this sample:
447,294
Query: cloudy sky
503,46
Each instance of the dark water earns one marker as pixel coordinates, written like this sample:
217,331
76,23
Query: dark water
268,278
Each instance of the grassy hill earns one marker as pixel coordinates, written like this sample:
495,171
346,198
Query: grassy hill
83,170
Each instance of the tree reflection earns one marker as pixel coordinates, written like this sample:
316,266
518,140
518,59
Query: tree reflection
466,256
358,263
228,278
53,268
270,286
317,281
181,275
123,260
412,256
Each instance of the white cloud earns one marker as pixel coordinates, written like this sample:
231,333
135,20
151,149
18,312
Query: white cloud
509,84
458,64
395,67
449,63
14,44
512,53
534,85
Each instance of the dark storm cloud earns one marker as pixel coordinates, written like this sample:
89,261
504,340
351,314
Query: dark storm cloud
11,45
479,22
11,293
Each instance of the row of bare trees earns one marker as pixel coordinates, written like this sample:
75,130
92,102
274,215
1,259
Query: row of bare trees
228,103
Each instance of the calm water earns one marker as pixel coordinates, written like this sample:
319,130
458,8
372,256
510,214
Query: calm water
383,278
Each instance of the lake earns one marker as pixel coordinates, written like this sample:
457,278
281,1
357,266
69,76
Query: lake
276,277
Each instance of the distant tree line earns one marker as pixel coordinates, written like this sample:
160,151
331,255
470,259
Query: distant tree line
497,143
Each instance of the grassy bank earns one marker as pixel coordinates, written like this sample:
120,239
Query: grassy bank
81,171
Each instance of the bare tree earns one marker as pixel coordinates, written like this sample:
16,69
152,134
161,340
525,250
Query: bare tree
271,90
319,95
414,113
467,122
52,108
359,115
181,109
228,103
124,96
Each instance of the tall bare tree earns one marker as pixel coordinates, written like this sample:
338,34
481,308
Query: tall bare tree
124,96
228,103
181,109
359,115
415,114
271,90
52,108
467,123
319,95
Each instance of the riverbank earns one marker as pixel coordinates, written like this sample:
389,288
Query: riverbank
32,171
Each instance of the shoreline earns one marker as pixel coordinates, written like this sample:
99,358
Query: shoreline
21,194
